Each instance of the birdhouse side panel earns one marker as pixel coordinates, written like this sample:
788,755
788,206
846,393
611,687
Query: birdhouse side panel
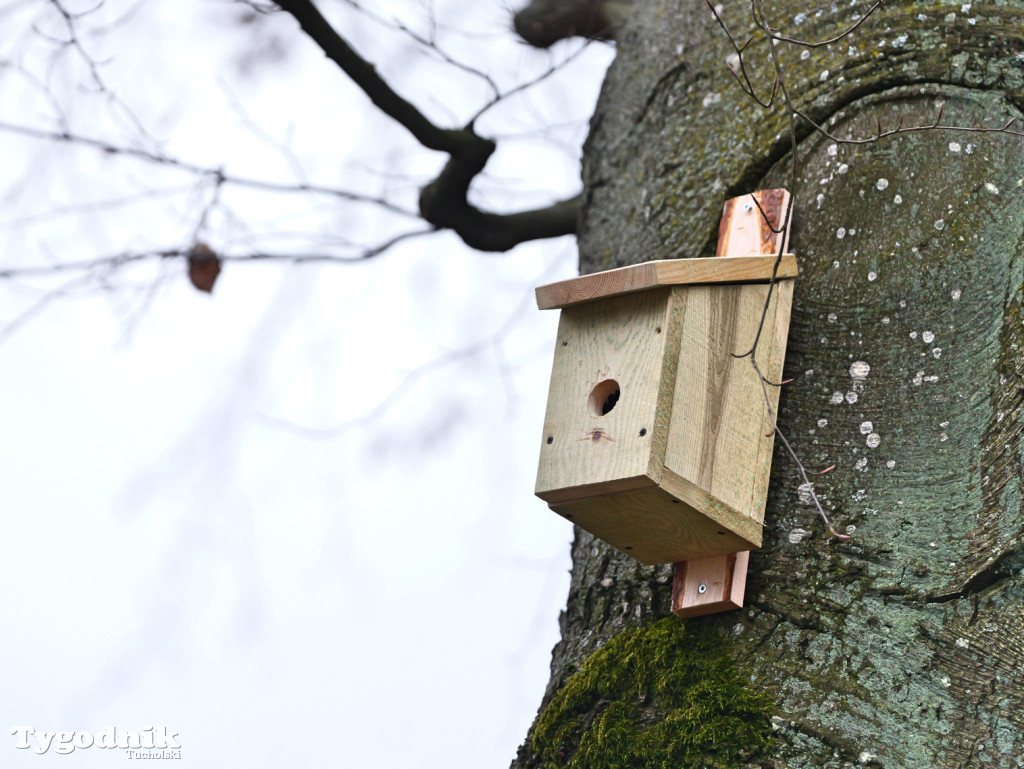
610,395
720,437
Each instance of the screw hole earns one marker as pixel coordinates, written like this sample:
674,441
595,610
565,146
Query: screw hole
565,344
629,547
551,439
569,516
657,330
722,532
675,501
643,431
604,397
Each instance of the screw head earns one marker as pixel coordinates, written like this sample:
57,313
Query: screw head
702,589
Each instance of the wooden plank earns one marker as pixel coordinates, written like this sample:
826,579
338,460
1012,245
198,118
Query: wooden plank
723,579
718,440
750,227
653,526
601,489
666,272
632,341
720,419
725,443
718,515
772,358
662,523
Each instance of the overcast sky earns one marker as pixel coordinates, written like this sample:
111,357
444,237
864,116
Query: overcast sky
292,521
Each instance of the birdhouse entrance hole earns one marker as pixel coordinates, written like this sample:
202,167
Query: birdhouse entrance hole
604,397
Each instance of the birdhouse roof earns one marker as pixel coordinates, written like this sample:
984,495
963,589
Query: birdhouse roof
665,272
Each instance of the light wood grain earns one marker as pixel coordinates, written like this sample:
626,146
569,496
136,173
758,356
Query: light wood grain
718,437
733,401
652,526
772,357
718,515
668,272
599,489
677,468
633,340
658,523
755,228
724,580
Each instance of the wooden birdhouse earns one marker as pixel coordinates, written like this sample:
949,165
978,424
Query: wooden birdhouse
657,437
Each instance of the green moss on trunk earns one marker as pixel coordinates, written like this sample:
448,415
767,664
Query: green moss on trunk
665,695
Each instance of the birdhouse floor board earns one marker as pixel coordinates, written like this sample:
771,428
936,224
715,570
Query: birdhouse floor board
717,513
664,523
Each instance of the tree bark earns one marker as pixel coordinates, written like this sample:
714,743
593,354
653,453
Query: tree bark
903,646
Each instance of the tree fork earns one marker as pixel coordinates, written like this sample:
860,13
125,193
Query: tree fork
444,203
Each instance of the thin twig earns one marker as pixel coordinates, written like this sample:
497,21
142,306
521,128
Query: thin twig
742,77
772,227
7,331
760,20
108,264
409,381
1006,128
215,173
552,69
831,40
789,448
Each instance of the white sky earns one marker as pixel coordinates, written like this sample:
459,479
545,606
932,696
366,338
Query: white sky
187,541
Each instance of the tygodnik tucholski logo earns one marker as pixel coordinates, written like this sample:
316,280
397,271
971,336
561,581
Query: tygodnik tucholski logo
151,742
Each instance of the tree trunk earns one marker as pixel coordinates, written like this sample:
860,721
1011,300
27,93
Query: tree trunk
904,645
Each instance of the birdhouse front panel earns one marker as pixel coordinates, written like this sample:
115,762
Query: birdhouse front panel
721,435
610,397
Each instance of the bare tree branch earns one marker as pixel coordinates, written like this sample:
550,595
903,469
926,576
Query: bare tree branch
543,23
7,331
759,19
217,174
364,75
808,486
111,263
498,97
444,202
493,341
742,77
